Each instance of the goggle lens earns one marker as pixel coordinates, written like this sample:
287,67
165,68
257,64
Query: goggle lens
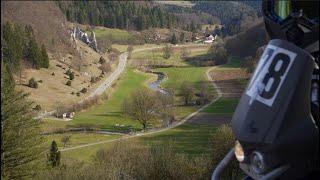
282,8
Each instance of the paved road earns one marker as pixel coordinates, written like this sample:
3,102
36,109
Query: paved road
115,75
159,130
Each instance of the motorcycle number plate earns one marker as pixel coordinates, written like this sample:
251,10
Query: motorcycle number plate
270,74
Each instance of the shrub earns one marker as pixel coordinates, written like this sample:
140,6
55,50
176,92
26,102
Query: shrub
37,108
65,140
84,90
218,54
93,79
130,160
52,74
68,83
187,92
78,93
102,60
106,67
222,141
167,52
33,83
40,81
70,74
72,93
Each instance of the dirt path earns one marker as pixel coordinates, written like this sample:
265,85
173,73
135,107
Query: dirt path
219,94
230,88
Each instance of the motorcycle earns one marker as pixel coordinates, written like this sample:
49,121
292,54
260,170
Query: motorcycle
277,136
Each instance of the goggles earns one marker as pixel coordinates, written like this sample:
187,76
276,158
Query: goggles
280,10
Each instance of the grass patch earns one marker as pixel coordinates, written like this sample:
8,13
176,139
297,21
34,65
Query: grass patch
190,139
48,125
176,75
222,106
77,139
116,34
155,57
109,113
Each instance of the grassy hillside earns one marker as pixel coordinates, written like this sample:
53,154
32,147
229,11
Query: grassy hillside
46,19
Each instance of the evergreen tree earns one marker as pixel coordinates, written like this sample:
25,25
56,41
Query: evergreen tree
54,155
182,37
34,54
44,56
21,142
12,46
174,39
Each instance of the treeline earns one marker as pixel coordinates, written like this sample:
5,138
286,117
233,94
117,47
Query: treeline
117,14
231,14
19,43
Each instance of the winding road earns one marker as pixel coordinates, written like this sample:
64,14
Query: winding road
113,76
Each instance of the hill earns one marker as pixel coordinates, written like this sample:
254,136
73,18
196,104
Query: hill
247,42
46,19
235,16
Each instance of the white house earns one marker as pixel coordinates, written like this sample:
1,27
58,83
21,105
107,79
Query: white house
70,115
209,39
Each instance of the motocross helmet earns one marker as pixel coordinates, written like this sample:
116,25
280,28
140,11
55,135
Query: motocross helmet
296,21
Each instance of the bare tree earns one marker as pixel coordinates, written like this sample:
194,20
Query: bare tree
106,67
184,53
187,92
205,93
65,139
129,49
112,57
167,51
141,106
60,109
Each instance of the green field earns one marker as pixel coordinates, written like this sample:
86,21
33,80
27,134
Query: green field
107,114
191,74
190,139
114,33
155,57
177,75
77,139
222,107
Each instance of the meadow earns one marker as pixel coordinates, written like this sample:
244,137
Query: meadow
191,139
108,113
155,57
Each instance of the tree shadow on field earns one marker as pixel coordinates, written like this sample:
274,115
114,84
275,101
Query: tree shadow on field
200,60
110,114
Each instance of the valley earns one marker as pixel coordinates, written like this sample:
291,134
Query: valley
131,88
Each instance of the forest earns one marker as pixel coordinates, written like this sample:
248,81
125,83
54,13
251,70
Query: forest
117,14
18,44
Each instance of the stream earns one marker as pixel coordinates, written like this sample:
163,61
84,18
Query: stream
155,85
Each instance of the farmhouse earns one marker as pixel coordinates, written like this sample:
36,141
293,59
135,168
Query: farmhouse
70,115
209,39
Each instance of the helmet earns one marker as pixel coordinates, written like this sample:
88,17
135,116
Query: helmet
296,21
